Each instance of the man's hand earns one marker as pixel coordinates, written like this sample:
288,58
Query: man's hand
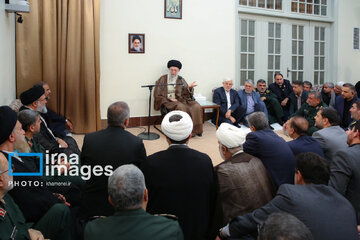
284,102
173,99
193,85
62,198
232,119
62,143
69,125
35,234
263,99
228,114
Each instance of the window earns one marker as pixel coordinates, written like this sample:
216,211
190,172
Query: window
274,49
319,55
269,4
247,50
314,7
356,44
297,53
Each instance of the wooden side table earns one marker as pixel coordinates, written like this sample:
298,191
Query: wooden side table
210,105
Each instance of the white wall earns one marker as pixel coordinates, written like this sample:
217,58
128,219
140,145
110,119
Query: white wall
348,61
7,56
204,41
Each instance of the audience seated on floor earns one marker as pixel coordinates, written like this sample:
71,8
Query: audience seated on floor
281,226
46,211
129,197
238,191
272,150
298,97
282,89
108,148
344,102
230,108
58,124
309,110
250,101
275,111
345,169
321,208
297,128
180,180
331,136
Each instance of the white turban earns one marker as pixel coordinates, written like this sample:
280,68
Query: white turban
230,136
177,130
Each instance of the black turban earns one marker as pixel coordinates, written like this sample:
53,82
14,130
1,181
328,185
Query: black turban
31,95
174,63
8,118
136,37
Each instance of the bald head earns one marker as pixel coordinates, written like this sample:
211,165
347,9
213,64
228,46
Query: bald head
298,126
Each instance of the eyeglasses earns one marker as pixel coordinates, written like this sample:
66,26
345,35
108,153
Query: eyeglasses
12,167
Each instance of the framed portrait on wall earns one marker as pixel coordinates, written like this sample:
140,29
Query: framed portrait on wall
173,9
136,43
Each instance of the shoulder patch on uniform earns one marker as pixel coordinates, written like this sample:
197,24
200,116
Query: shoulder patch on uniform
2,212
169,216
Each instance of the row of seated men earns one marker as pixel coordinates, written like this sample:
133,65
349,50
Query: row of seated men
256,179
282,100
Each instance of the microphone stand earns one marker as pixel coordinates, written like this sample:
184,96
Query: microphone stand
150,135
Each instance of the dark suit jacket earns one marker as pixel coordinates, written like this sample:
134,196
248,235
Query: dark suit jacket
114,147
133,224
180,181
259,105
283,92
345,175
339,106
304,144
293,101
274,153
324,211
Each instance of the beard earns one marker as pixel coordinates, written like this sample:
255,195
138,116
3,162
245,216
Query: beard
21,145
41,109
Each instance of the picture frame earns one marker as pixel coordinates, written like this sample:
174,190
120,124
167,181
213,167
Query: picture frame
136,43
173,9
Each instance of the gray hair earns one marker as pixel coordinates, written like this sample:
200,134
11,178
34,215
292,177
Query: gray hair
340,84
227,79
117,113
249,81
27,118
258,120
317,94
261,81
126,187
330,84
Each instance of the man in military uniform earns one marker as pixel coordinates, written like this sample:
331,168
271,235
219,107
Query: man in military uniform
309,110
275,111
129,196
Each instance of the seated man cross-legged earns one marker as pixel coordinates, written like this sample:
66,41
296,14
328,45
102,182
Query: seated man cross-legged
229,101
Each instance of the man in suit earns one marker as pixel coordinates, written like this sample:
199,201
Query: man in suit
271,149
40,206
109,148
309,110
129,197
297,128
321,208
229,101
345,169
328,95
331,136
298,97
238,192
250,100
282,89
275,111
181,180
344,102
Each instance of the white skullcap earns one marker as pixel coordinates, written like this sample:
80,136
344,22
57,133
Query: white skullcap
230,136
177,130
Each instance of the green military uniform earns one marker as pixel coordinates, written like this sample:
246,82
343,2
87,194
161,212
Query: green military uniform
275,111
12,221
133,224
309,113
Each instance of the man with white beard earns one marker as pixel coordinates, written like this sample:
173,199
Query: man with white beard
239,191
35,99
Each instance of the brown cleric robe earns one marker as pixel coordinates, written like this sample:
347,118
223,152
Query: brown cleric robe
185,102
